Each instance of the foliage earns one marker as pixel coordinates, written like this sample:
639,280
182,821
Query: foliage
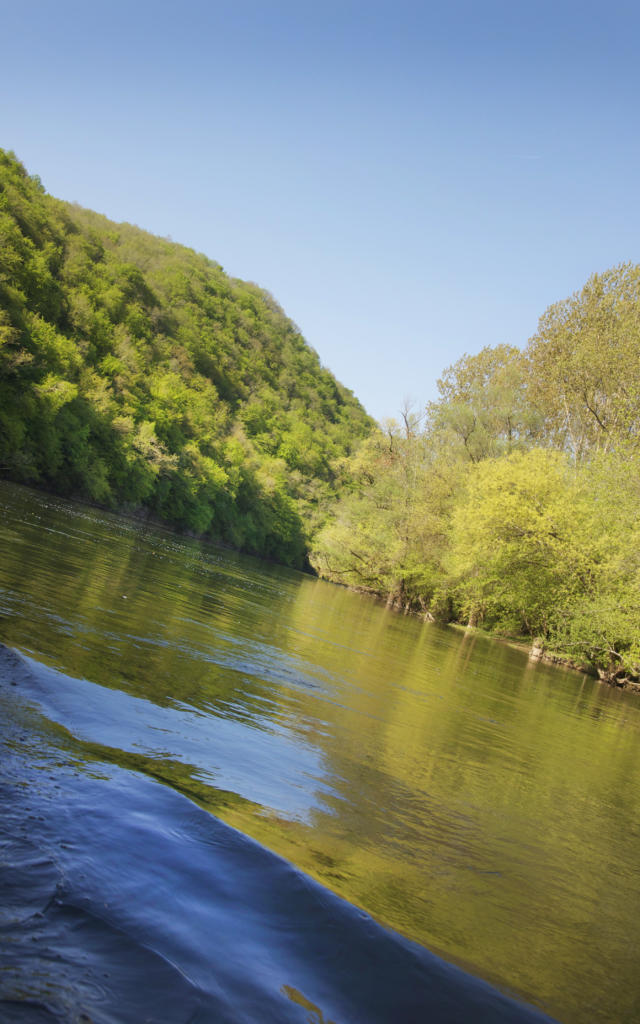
602,623
516,502
584,365
483,409
390,532
134,372
521,543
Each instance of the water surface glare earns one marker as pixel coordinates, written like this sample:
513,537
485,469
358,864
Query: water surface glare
483,807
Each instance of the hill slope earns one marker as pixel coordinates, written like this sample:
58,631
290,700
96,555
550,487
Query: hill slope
135,373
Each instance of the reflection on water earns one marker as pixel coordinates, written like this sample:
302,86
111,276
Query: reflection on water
480,805
123,901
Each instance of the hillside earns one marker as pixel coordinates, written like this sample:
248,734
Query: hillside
136,374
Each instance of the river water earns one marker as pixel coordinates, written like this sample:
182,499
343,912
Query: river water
232,792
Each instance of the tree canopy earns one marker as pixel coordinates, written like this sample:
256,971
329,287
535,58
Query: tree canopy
516,503
135,373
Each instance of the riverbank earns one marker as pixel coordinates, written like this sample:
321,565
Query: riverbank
536,653
143,518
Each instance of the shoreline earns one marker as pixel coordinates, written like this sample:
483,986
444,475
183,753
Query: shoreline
550,657
523,644
141,517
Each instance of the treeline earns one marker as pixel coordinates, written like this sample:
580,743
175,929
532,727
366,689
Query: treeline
136,374
513,503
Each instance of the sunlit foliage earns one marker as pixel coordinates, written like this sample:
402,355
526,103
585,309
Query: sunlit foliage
135,373
515,504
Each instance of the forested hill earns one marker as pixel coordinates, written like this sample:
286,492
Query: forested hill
136,374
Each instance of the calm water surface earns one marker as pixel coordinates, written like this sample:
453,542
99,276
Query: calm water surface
483,807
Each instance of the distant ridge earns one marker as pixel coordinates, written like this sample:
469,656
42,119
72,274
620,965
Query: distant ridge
136,374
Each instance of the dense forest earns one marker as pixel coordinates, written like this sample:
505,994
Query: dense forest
513,501
136,374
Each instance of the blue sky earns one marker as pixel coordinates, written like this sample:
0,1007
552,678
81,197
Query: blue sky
412,181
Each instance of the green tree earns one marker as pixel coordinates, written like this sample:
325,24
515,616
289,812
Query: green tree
483,409
539,550
602,623
129,363
521,543
388,535
584,365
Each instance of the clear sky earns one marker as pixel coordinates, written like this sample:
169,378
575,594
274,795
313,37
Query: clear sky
412,181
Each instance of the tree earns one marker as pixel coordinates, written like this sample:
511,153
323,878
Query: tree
127,365
602,623
584,365
483,409
539,549
521,547
388,535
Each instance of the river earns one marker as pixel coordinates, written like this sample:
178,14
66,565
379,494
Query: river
233,792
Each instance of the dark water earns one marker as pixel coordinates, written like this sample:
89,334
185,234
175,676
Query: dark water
178,713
